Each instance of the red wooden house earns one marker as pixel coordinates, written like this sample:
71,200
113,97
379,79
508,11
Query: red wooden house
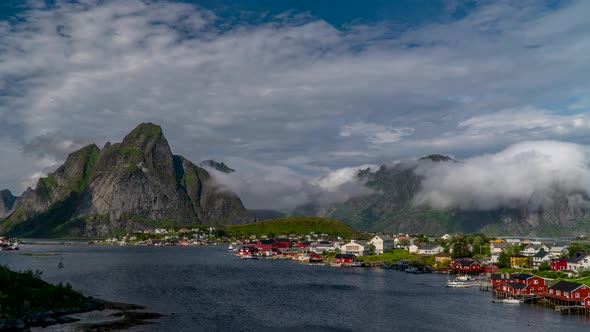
514,288
566,291
558,264
466,266
304,244
587,303
536,284
345,258
282,243
248,251
498,279
491,268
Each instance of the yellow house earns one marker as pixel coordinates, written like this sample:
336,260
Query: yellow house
517,261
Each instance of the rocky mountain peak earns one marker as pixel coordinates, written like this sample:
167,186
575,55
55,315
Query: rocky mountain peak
221,167
7,201
437,158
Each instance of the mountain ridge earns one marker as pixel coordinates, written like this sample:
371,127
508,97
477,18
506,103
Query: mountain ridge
124,187
392,207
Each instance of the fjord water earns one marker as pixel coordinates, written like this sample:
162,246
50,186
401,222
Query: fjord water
208,288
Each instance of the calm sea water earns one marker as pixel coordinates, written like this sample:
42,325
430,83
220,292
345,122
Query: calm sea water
207,288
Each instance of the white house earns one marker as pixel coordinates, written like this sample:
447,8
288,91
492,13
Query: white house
495,250
541,257
321,246
382,243
430,249
413,248
557,251
446,237
358,248
531,249
579,262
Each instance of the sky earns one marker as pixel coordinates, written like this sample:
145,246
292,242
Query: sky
294,94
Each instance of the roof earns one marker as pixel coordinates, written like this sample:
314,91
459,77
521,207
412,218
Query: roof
466,262
523,276
385,237
577,257
500,245
267,241
541,254
566,286
519,256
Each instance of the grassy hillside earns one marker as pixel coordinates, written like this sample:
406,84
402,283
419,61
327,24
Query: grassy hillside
293,225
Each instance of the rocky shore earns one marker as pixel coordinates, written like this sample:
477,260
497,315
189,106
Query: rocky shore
27,301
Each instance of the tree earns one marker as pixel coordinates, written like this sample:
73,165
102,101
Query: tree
503,260
460,249
371,249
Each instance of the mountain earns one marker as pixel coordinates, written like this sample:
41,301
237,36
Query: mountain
391,207
127,186
7,201
221,167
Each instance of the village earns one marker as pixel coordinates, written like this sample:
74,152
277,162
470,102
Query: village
553,273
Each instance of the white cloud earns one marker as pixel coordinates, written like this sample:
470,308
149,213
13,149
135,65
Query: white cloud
527,174
280,188
289,87
374,133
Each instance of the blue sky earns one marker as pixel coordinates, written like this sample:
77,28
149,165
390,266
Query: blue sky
290,93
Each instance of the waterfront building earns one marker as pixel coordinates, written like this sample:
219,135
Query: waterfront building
536,284
568,292
382,243
587,304
358,248
470,266
500,278
345,258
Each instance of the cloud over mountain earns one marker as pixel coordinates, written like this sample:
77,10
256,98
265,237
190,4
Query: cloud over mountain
524,175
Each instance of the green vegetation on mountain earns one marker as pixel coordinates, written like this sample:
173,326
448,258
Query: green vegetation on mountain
293,225
125,187
392,207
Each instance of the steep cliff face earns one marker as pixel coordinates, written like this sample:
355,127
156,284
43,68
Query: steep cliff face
127,186
391,207
7,201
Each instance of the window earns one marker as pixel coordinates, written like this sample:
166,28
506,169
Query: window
536,282
558,293
577,295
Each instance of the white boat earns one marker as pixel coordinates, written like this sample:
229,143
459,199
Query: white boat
248,257
231,247
463,278
457,284
512,301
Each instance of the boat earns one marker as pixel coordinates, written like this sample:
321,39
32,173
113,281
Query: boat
231,247
463,278
457,284
248,257
512,301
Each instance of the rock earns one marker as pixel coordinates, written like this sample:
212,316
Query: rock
124,187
